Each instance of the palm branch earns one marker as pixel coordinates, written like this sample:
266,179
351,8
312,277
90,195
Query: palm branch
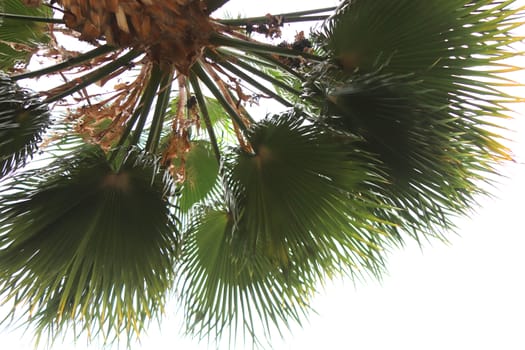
387,134
23,119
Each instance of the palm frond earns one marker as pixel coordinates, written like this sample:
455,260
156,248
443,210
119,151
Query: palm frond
299,189
418,82
86,245
224,290
201,172
23,120
19,38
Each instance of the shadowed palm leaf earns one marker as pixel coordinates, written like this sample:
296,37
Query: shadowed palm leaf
419,98
23,119
298,191
82,240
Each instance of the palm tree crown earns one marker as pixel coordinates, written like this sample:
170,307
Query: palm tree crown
165,181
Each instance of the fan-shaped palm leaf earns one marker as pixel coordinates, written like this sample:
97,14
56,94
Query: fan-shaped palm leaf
300,189
20,39
23,119
405,76
87,244
224,288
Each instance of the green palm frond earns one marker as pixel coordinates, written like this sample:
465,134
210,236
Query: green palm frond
418,81
299,188
223,288
219,119
23,120
87,245
20,39
201,173
429,165
427,38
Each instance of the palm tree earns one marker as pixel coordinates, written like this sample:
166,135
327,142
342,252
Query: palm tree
164,181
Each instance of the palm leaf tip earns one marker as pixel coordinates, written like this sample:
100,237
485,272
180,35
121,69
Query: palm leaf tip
23,119
86,245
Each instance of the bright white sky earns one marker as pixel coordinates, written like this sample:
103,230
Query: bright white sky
467,295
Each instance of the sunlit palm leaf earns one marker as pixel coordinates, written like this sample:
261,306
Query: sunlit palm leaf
87,245
201,172
23,119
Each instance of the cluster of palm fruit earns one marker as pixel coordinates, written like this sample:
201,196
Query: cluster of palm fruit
154,186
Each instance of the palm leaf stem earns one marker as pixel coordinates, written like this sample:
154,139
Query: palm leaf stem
203,76
224,63
267,77
129,126
148,97
238,103
254,46
262,20
260,60
31,18
205,116
252,58
269,59
127,131
92,77
309,12
235,102
75,61
160,111
274,62
288,17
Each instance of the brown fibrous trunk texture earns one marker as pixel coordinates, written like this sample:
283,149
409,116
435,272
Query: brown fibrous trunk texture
172,32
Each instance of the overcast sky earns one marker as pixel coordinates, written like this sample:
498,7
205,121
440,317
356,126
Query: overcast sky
466,295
